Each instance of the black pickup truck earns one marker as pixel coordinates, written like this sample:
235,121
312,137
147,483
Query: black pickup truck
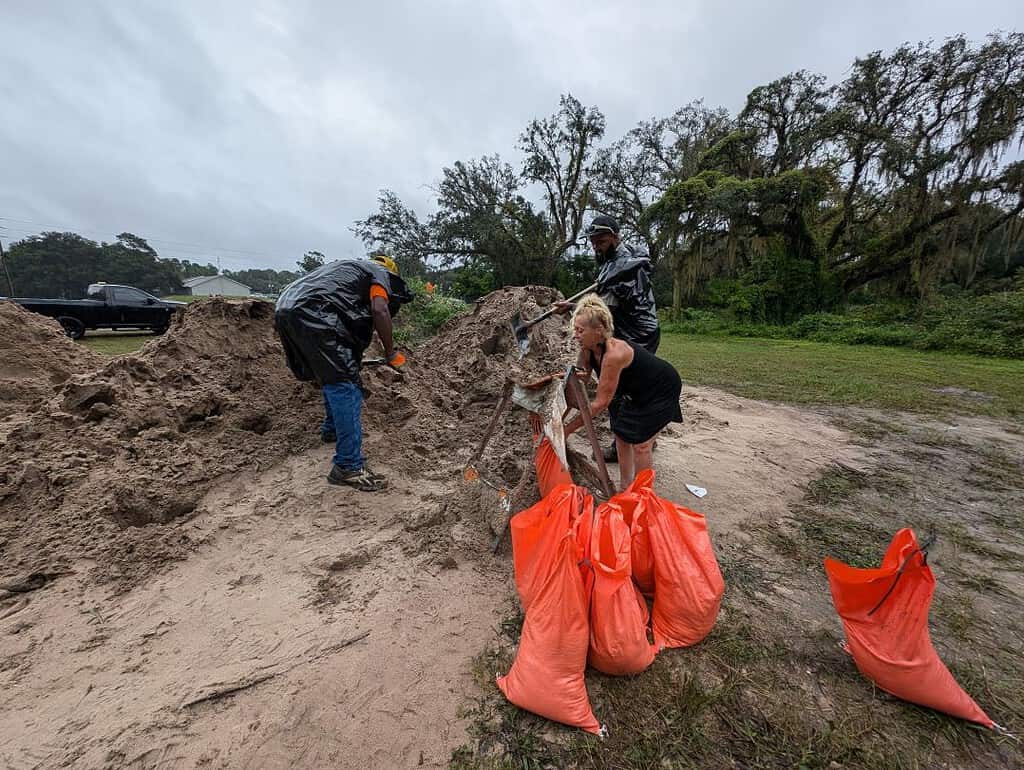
108,306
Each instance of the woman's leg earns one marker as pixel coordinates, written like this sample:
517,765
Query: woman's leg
626,471
643,455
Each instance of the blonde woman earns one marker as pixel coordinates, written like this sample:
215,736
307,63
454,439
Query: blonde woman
640,390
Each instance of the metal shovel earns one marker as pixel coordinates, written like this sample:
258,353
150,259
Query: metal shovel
520,328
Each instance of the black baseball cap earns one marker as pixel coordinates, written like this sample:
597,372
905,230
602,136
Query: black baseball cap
602,224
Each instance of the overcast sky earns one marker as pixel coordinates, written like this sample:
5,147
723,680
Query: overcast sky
254,131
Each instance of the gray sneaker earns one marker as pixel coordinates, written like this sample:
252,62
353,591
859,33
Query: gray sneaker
360,479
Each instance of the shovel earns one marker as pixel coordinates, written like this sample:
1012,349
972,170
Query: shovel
521,327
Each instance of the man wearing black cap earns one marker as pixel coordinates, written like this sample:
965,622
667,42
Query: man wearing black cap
624,283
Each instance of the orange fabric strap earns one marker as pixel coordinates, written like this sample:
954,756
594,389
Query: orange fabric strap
376,290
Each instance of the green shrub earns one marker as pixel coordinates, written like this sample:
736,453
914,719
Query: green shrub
696,321
821,324
991,325
988,325
427,313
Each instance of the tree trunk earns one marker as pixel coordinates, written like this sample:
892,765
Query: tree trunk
677,293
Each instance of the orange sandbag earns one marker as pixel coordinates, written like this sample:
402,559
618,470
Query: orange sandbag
641,560
550,472
885,614
618,613
547,675
688,584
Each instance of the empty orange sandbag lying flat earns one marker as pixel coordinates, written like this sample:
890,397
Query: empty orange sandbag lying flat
885,615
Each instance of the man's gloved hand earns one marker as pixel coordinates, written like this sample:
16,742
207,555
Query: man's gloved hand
397,361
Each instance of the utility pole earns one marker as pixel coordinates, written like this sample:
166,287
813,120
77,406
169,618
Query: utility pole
10,285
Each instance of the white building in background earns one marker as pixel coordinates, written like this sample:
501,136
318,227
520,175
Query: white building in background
208,285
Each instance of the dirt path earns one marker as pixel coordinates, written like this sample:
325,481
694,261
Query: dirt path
350,639
753,457
365,642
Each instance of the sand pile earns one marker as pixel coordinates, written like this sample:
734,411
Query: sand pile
139,440
35,358
437,413
431,420
109,465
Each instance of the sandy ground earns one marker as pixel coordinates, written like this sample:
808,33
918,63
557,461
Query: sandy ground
362,644
180,588
347,643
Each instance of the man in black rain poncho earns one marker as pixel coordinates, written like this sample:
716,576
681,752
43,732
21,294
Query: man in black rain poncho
624,284
326,320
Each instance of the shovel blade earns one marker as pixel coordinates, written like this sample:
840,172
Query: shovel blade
521,334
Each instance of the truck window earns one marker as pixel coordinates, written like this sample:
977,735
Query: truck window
125,296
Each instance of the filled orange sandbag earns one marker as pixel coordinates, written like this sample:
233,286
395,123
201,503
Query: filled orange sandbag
618,613
688,584
547,675
641,560
885,614
550,472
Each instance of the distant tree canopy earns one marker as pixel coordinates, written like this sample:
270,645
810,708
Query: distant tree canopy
62,265
900,179
310,261
264,281
485,220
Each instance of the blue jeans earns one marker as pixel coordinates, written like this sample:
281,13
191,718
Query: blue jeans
343,416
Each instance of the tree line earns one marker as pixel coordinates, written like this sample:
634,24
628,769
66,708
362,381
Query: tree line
62,265
899,180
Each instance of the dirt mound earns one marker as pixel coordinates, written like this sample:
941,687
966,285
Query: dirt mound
139,439
439,410
35,358
113,462
431,420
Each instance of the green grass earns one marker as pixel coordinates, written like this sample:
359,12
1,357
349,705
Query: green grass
797,371
116,344
188,298
181,298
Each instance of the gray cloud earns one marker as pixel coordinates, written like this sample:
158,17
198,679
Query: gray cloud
267,127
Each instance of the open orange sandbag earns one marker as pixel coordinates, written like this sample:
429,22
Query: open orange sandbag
550,472
688,584
630,502
547,675
885,614
618,612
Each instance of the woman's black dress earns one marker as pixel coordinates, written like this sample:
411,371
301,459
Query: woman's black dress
647,398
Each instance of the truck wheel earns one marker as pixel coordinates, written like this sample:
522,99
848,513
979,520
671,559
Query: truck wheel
158,330
74,328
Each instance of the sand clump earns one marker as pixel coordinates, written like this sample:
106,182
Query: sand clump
36,357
